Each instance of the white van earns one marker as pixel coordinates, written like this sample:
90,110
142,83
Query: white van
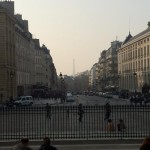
24,101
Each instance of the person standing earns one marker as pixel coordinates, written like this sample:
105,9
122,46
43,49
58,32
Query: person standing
121,125
110,125
146,144
47,145
22,145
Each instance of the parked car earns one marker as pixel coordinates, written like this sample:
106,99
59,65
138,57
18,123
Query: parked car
108,95
100,94
24,101
70,98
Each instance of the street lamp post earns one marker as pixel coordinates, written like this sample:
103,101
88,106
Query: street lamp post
135,75
11,78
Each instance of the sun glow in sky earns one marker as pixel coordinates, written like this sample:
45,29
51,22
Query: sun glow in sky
81,29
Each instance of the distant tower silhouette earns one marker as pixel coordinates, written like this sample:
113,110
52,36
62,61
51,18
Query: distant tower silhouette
73,67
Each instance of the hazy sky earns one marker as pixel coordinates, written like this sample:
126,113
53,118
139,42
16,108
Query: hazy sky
81,29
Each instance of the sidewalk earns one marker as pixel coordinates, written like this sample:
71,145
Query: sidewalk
88,147
106,144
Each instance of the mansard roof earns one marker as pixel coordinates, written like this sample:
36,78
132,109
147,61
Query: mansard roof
141,33
130,38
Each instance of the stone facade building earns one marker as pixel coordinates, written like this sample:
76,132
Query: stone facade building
23,62
7,55
25,57
134,61
102,76
108,63
93,77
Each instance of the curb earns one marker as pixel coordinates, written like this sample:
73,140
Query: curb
78,142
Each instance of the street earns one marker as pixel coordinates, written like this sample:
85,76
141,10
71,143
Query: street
85,100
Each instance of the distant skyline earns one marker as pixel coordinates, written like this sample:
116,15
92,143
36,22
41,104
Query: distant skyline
80,30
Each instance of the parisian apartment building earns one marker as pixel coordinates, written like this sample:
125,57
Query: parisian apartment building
104,74
134,61
125,65
23,62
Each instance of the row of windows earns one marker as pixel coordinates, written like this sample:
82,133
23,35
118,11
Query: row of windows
138,64
134,54
135,45
23,79
25,66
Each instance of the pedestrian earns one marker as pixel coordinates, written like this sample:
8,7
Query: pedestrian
47,145
146,144
67,112
121,125
80,112
110,125
48,111
107,108
22,145
131,100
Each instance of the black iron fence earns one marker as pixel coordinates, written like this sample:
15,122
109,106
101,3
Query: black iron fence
65,122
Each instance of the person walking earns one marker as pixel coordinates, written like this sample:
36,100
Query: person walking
22,145
47,145
67,112
80,112
107,108
48,111
146,144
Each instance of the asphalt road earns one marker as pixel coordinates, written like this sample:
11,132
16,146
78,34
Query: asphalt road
96,100
85,100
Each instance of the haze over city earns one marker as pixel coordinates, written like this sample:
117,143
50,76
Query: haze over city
81,29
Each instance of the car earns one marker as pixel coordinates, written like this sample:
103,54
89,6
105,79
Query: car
70,98
108,95
24,101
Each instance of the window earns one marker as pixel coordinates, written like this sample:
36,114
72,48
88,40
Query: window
24,99
144,50
141,63
138,52
148,62
147,49
141,51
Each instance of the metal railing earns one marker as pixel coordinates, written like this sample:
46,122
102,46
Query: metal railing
62,122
